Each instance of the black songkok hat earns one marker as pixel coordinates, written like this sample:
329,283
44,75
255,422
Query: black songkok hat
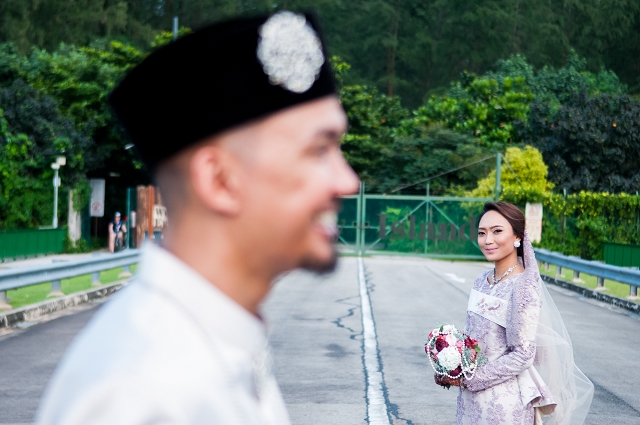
219,77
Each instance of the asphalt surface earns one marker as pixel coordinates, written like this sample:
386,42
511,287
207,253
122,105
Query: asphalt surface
316,335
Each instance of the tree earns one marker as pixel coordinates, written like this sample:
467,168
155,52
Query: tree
56,102
25,191
590,143
524,177
48,23
557,86
425,154
80,79
410,48
482,107
372,119
389,148
35,115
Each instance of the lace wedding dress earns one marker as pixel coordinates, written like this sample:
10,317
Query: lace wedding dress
530,371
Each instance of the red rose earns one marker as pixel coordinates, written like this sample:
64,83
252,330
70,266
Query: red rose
456,372
441,343
470,343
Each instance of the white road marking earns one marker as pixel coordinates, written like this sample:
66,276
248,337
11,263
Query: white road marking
452,276
376,404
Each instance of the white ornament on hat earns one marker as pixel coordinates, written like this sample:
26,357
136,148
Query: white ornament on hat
290,51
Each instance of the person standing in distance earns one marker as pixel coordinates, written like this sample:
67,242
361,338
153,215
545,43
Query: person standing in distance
241,125
116,230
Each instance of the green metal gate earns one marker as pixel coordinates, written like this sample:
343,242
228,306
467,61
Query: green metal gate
432,226
132,205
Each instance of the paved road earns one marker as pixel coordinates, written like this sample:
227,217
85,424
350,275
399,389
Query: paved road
318,350
28,358
317,334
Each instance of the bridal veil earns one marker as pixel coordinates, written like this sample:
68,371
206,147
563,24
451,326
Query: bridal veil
554,361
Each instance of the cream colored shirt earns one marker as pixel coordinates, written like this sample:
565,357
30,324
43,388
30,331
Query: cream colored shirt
168,349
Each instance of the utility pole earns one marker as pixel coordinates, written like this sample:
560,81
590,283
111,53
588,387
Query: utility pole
498,165
60,161
175,28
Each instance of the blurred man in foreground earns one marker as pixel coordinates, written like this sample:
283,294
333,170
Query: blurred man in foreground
241,126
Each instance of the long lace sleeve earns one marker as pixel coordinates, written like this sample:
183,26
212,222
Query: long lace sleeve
522,321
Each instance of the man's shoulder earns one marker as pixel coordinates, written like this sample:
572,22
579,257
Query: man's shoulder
137,346
140,316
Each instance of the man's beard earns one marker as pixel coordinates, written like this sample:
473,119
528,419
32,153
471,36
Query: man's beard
315,265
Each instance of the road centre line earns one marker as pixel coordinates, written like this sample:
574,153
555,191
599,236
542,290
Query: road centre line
377,410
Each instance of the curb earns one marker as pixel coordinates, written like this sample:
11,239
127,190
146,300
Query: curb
629,305
32,312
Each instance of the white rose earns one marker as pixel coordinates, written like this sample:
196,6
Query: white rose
448,329
449,358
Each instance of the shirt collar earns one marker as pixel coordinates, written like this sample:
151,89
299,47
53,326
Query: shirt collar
220,316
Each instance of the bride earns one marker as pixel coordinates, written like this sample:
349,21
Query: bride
530,372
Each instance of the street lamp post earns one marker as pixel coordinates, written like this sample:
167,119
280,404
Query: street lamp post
60,161
175,28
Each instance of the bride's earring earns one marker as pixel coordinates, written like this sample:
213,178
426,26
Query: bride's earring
516,244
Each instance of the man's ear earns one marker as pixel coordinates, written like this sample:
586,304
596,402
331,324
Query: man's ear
215,176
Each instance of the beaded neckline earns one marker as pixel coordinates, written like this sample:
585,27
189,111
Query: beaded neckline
506,279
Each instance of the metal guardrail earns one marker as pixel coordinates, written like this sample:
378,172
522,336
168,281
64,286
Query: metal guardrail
595,268
54,273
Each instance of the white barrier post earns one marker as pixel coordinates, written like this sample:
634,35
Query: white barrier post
95,279
4,305
56,289
126,272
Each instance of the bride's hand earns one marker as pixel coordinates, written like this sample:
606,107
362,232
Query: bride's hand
445,381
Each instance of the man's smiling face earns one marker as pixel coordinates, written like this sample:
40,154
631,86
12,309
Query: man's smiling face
293,173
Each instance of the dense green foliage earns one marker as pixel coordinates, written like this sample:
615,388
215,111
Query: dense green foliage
54,104
589,143
391,148
411,48
24,198
483,107
584,123
580,223
555,86
433,85
528,183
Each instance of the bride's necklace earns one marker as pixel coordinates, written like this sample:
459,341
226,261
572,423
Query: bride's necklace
507,273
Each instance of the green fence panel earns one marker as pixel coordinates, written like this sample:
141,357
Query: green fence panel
348,223
132,205
24,243
441,227
85,224
622,255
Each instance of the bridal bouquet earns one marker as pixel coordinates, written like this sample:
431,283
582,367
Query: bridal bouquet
453,353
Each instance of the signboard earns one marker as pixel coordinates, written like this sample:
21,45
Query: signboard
97,197
159,216
533,216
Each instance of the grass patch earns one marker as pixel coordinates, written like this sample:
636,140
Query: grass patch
37,293
611,287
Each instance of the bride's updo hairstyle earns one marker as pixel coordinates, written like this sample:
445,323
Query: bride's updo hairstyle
513,215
